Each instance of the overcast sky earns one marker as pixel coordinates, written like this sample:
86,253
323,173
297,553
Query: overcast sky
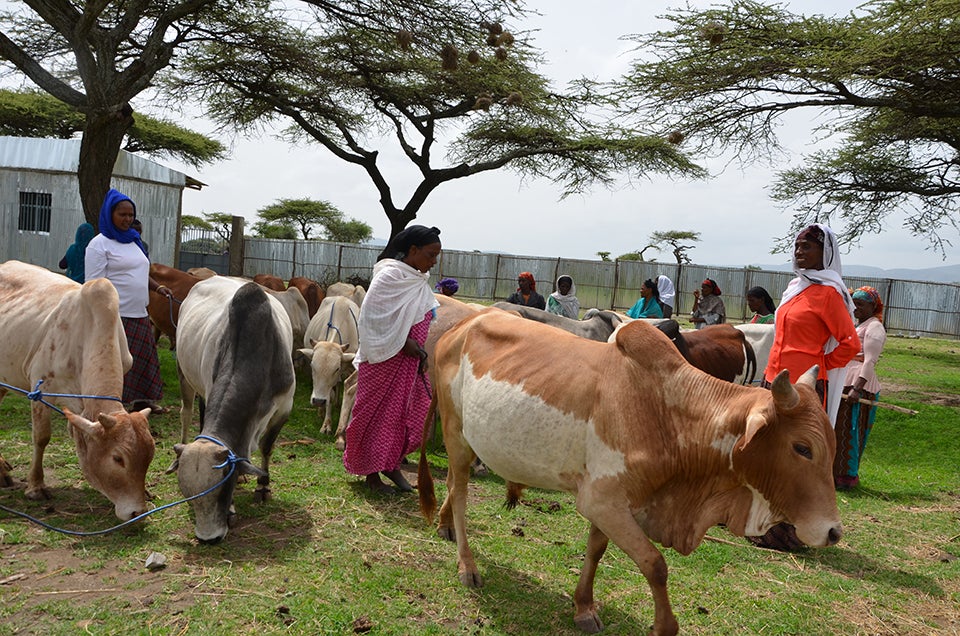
499,212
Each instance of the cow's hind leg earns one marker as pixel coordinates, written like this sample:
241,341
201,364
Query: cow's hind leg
40,431
460,456
609,511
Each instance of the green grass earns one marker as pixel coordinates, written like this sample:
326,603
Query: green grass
325,557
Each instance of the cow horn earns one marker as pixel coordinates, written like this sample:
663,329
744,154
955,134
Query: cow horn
784,395
108,421
810,377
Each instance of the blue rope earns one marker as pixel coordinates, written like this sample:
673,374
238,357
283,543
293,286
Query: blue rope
38,396
232,461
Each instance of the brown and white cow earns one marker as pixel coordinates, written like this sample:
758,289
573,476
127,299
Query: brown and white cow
235,343
311,290
70,336
165,312
653,449
330,344
760,337
270,282
720,350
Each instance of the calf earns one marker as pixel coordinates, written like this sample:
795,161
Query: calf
235,343
71,337
695,453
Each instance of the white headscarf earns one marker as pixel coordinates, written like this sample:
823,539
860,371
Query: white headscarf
832,275
665,287
398,298
569,304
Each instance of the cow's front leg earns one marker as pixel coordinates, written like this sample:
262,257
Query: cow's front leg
40,432
327,407
346,409
585,615
609,510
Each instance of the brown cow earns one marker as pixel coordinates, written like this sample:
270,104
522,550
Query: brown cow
164,312
70,336
270,282
311,290
652,451
720,350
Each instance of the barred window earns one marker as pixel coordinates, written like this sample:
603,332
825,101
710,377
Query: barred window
35,211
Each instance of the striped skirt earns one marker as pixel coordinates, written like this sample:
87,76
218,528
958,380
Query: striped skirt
854,423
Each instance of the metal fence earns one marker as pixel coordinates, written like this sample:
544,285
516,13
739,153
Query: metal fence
910,307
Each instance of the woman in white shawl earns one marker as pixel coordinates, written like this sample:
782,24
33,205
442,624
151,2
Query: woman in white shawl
393,392
564,302
814,326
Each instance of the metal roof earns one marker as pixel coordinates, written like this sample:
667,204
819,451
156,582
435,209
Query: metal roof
63,155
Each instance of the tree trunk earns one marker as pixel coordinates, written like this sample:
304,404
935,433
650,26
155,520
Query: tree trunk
102,137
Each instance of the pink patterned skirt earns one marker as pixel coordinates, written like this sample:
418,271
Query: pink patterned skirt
387,419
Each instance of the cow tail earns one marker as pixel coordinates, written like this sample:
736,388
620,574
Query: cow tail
428,498
751,370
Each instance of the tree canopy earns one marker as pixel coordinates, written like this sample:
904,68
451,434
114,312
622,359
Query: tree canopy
37,114
675,239
884,80
307,215
458,98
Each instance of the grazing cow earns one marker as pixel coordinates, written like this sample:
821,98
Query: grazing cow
760,338
70,336
163,311
331,342
598,326
311,290
645,463
720,350
356,293
234,351
270,282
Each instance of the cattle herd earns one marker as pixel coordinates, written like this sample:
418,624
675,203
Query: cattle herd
656,432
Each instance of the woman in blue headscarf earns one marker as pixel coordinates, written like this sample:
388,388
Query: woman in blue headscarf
117,254
72,261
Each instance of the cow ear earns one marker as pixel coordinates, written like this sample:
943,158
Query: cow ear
246,468
755,421
784,395
344,347
146,412
313,342
302,354
348,357
810,377
178,449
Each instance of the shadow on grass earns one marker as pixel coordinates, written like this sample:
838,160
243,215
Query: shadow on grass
859,566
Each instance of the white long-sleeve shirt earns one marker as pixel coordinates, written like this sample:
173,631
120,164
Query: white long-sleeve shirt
126,266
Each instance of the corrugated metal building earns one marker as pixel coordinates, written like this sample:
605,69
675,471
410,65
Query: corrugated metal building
40,205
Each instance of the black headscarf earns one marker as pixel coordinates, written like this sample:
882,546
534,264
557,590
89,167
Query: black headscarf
400,244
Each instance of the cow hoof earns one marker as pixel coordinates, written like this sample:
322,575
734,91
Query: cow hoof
231,519
340,444
471,579
261,495
446,532
325,429
589,622
38,494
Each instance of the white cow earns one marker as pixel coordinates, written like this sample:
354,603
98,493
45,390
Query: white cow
330,344
356,293
233,350
760,338
71,337
297,311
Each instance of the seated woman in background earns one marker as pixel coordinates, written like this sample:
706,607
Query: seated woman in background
708,308
761,304
564,302
526,293
649,304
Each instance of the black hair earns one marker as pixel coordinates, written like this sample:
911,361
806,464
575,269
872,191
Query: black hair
400,244
762,294
656,290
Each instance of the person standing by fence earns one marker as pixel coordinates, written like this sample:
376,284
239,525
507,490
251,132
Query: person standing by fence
526,293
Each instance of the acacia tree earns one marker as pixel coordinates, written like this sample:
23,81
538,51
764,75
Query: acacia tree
97,57
675,239
307,214
36,114
885,82
467,88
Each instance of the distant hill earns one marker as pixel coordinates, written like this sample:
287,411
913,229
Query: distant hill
945,274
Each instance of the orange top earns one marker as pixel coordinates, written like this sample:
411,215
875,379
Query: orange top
804,325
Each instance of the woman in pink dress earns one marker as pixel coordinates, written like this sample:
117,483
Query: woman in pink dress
393,392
